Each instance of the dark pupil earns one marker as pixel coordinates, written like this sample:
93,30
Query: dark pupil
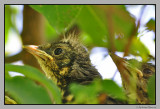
58,51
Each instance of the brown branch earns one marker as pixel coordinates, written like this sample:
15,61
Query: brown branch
109,10
133,34
32,34
111,30
14,58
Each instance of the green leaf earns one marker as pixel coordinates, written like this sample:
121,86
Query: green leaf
50,32
123,22
151,89
89,22
84,94
151,25
26,91
8,100
89,94
101,22
59,16
111,88
37,76
8,22
138,48
120,44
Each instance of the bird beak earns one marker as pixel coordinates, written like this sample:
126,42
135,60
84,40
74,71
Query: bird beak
33,49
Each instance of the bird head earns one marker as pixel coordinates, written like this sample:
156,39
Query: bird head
65,61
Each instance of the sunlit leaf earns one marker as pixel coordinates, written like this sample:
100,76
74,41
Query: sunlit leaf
36,75
8,100
138,48
8,22
59,16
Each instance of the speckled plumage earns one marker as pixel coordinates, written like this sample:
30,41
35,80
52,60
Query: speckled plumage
71,65
66,61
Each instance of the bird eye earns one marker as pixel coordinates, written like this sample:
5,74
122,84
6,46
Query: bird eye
57,51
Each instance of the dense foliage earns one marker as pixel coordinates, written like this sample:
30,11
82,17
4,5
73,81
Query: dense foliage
109,26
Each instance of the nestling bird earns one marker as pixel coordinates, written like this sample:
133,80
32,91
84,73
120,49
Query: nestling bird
135,76
65,61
